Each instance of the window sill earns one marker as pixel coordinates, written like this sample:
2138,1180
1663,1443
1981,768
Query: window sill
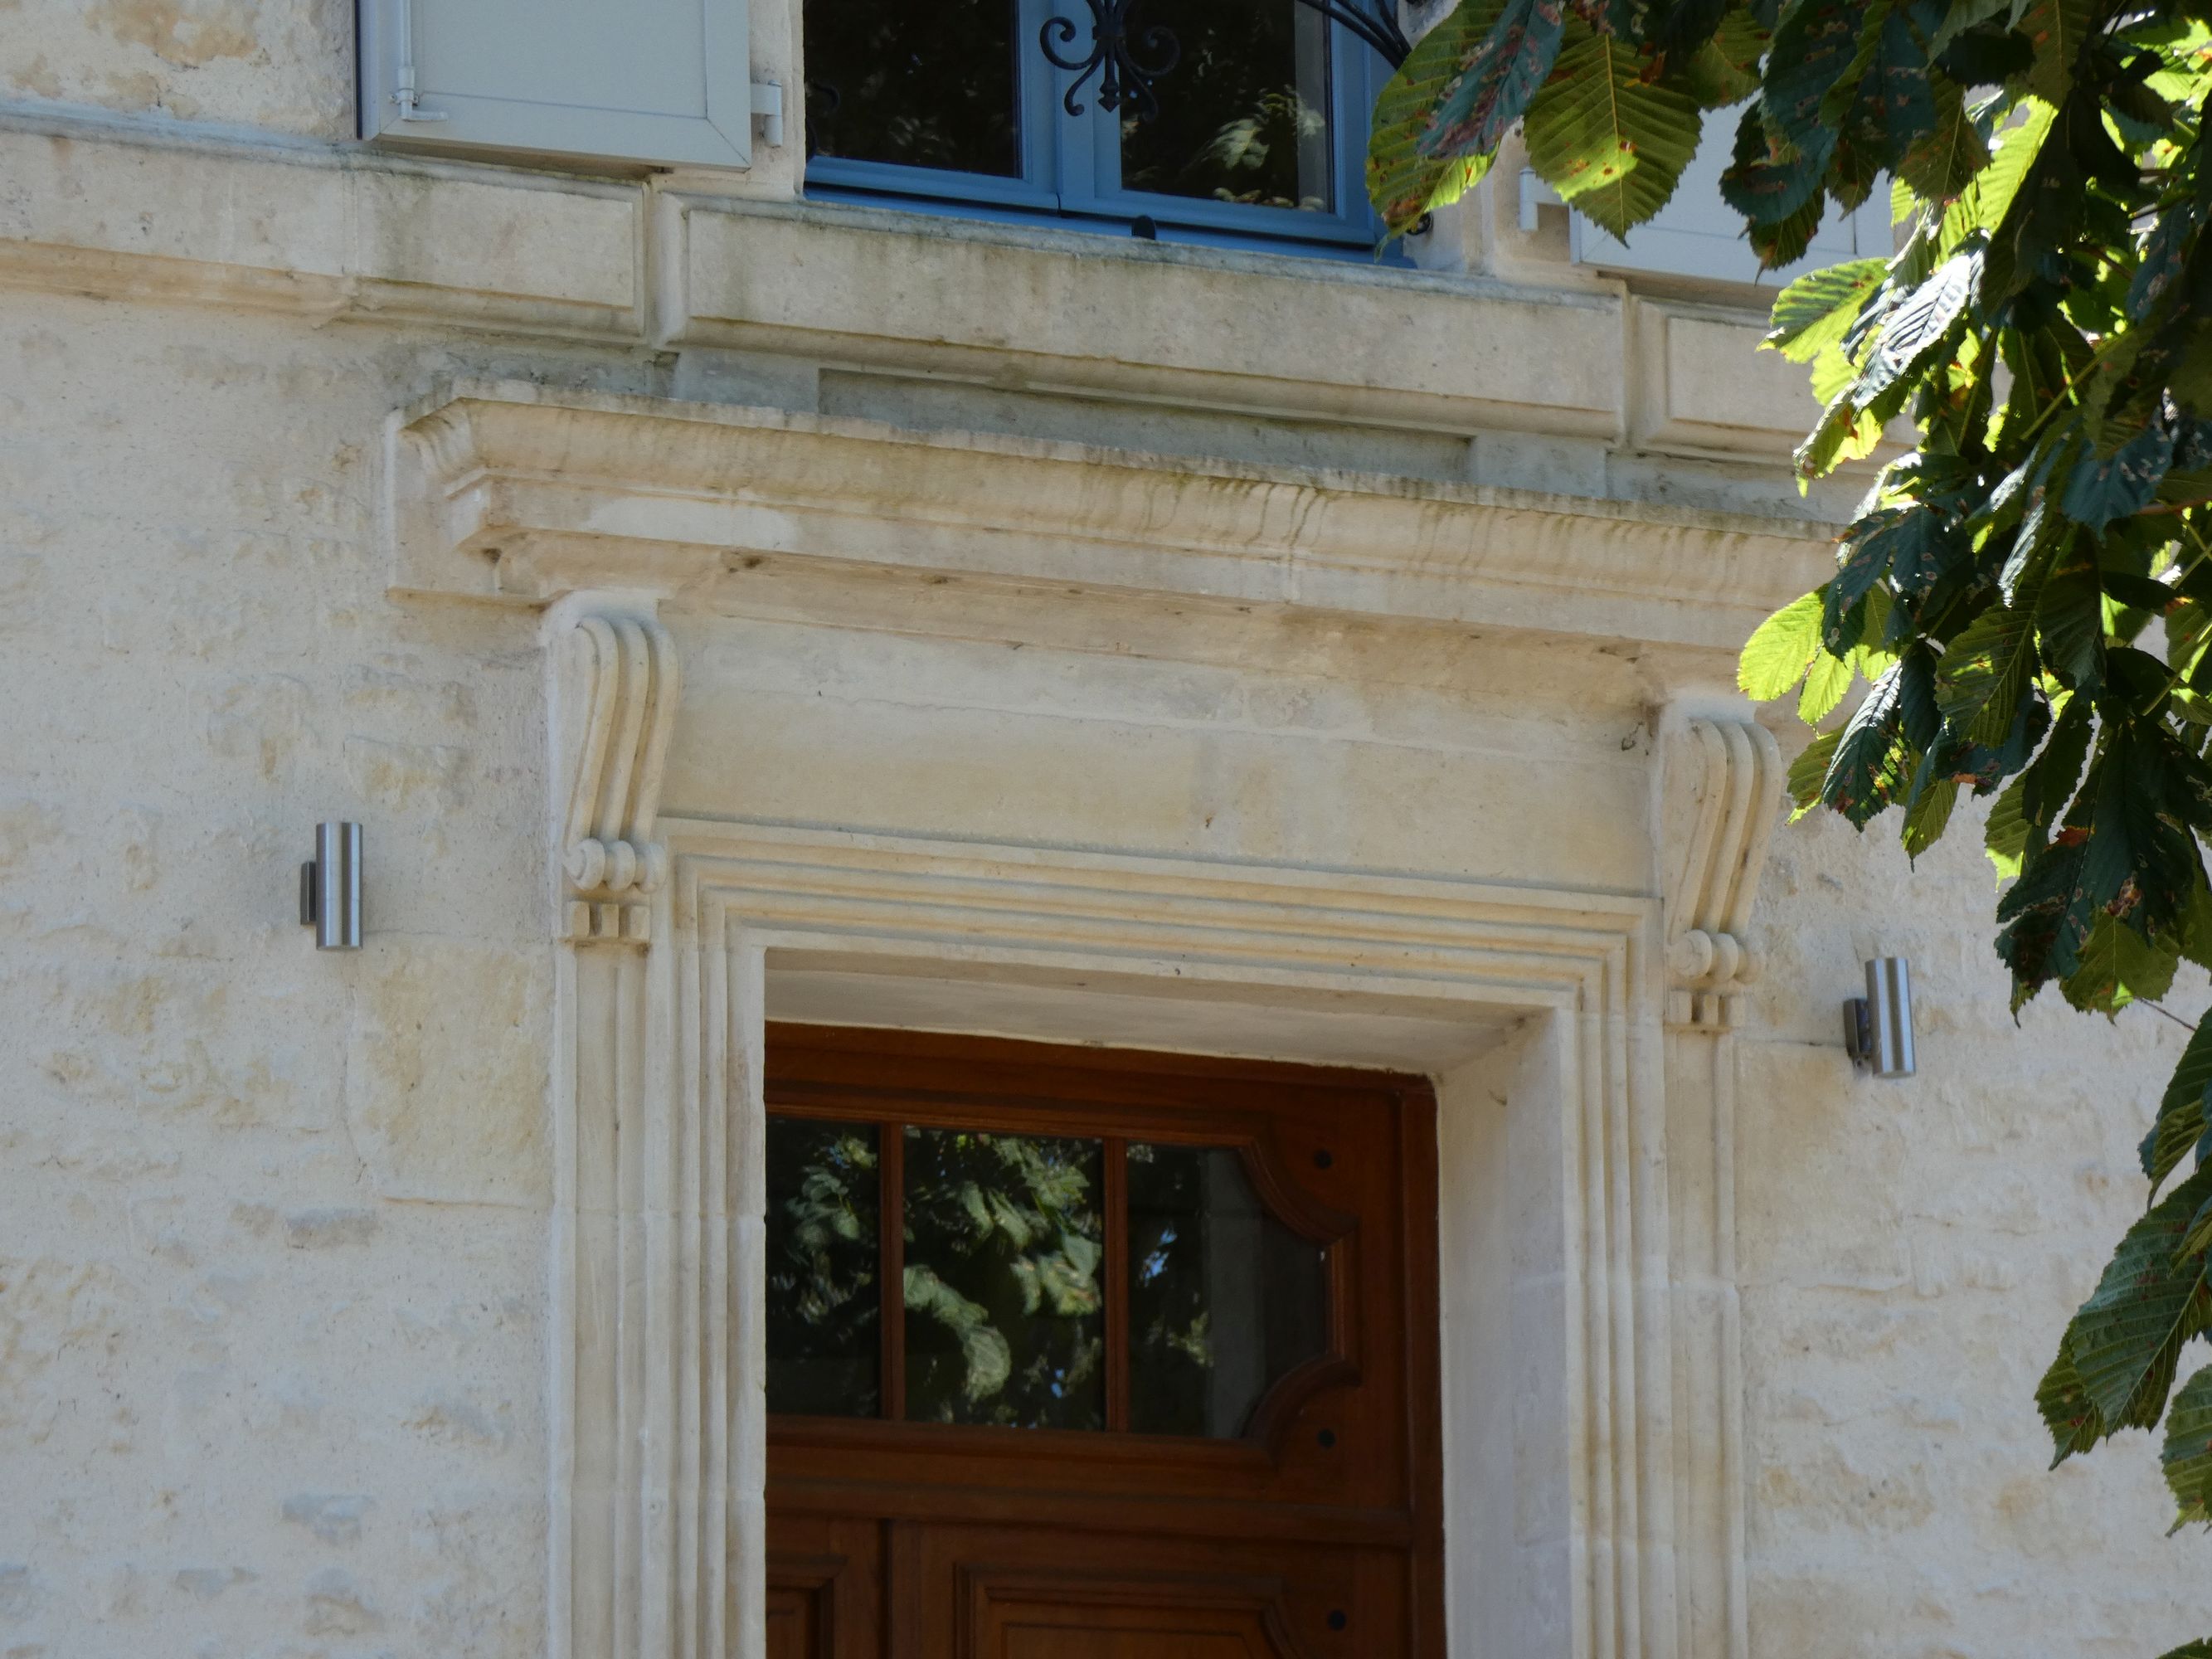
954,225
1112,228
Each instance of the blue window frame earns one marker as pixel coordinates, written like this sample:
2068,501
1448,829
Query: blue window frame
1256,133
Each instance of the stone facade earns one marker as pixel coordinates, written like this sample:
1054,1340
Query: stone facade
1025,631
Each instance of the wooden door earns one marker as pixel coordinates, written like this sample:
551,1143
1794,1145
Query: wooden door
1081,1353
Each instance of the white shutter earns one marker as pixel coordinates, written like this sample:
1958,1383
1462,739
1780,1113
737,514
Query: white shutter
1698,234
664,82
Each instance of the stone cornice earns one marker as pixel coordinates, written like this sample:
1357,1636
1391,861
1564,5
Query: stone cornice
506,491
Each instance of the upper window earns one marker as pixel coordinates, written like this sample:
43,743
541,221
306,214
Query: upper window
1201,120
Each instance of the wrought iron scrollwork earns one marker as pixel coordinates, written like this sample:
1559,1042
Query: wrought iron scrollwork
1378,27
1128,61
1124,77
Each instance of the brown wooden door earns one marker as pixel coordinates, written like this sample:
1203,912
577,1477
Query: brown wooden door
1082,1354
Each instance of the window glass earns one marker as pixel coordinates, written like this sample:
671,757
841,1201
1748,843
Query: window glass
1004,1317
925,83
1244,116
825,1289
1224,1299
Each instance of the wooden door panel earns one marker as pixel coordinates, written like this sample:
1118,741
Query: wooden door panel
1074,1630
1019,1593
795,1623
824,1589
1121,1615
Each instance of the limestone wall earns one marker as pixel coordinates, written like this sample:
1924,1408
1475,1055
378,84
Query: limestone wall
274,1332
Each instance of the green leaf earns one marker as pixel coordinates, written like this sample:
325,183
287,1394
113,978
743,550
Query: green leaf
2118,965
1962,15
2042,934
2163,253
1867,768
1817,310
2127,1338
1883,105
1724,69
2067,1409
2070,622
1982,673
1814,43
1928,809
1608,140
2196,927
1824,686
2006,833
2181,1114
1983,204
1989,765
1770,183
1920,325
1924,554
1678,27
2057,29
1943,162
1866,49
1808,770
2104,488
1861,563
2187,1454
1779,653
2049,783
2142,861
1403,181
1495,79
2021,817
1845,432
2124,853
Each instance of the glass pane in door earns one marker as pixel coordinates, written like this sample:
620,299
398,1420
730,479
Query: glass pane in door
926,83
1004,1313
825,1289
1243,115
1224,1300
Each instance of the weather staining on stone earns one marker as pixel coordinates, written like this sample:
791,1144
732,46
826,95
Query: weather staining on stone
334,1517
324,1229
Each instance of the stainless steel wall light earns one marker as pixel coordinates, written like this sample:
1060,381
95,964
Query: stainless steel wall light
1878,1027
330,888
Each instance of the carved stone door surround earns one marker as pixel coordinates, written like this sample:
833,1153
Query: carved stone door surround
1623,1527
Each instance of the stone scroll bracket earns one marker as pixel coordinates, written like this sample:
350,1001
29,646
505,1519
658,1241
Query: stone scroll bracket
1721,795
616,687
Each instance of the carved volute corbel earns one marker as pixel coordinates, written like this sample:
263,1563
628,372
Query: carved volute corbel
626,681
1722,791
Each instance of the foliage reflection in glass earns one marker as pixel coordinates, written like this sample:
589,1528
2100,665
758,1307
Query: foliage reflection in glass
1004,1310
1244,114
926,83
824,1280
1224,1300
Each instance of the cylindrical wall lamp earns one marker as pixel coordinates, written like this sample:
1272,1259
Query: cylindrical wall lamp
1878,1027
330,888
